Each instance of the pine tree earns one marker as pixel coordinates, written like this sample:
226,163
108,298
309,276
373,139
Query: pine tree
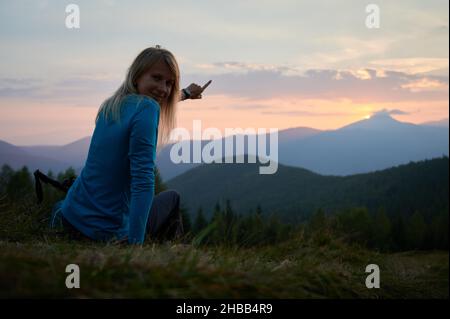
67,174
186,219
317,221
200,221
381,230
20,184
399,233
229,220
355,223
415,231
5,176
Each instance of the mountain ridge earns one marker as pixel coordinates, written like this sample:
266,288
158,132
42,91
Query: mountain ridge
297,192
363,146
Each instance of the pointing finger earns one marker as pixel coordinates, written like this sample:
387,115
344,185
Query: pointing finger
206,85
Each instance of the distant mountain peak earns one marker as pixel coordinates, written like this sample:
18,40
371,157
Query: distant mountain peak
378,121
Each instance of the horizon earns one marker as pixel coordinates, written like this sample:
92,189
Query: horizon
271,65
379,114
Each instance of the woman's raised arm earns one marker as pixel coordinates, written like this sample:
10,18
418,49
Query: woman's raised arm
193,91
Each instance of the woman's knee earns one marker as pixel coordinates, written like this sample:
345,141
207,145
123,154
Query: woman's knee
174,194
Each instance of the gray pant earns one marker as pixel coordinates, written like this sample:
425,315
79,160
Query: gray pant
165,220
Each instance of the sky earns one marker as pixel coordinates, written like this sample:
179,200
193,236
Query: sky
273,64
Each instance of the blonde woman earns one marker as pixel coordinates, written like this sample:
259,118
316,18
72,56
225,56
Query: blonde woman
113,197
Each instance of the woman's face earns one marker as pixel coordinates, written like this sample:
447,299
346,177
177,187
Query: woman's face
156,82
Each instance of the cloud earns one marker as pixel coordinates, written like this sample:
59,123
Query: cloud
441,29
398,112
246,67
386,112
19,87
426,84
411,65
361,85
11,92
248,106
305,113
72,89
253,84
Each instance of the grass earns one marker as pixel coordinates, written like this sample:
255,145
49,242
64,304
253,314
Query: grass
33,262
294,269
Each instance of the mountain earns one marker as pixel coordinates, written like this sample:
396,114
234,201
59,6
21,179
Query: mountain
296,133
16,157
296,193
378,122
372,144
73,154
365,146
169,170
441,123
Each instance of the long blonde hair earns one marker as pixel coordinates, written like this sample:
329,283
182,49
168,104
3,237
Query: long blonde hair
111,107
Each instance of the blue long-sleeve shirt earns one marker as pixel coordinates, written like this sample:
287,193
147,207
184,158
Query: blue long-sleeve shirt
112,196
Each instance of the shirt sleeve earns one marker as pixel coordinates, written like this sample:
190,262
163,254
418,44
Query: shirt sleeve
142,154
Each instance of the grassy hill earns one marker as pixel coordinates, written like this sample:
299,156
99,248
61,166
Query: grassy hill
300,264
294,269
294,192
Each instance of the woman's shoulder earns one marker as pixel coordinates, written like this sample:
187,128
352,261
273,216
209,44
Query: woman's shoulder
141,102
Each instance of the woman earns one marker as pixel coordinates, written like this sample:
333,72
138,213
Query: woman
113,198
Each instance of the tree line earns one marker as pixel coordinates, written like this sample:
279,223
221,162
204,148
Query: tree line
357,225
353,225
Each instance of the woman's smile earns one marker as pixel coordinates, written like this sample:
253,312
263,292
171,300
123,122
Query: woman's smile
157,82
